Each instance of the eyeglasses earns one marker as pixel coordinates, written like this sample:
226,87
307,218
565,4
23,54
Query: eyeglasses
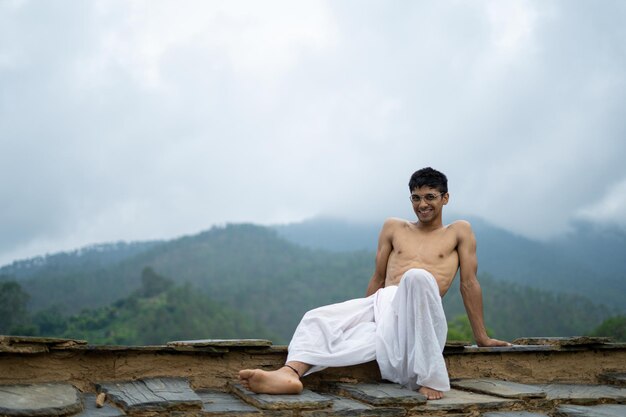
428,197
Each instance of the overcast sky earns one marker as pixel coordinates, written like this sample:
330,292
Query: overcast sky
128,120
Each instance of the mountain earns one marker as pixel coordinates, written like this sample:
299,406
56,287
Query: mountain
88,257
253,270
588,261
158,311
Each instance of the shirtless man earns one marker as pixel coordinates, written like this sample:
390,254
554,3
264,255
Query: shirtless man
403,246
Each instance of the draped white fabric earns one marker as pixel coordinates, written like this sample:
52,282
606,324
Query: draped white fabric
402,327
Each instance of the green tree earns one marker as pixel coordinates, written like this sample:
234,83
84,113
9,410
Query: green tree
459,329
50,322
614,327
13,312
152,283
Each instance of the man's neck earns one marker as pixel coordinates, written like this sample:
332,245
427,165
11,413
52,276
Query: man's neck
429,226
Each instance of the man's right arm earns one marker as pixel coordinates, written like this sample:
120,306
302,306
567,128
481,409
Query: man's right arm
382,256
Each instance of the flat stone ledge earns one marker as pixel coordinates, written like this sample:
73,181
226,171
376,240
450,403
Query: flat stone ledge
28,344
613,378
563,341
380,394
148,349
583,393
513,414
500,388
455,400
223,404
346,407
508,349
49,399
305,401
456,346
89,401
222,343
152,394
604,410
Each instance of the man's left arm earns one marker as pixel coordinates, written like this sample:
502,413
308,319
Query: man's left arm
470,287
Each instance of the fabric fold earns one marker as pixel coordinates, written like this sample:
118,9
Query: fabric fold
403,327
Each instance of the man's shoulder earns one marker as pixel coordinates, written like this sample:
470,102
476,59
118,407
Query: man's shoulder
461,227
395,222
460,224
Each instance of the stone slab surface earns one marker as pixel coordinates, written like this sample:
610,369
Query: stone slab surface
346,407
380,394
11,340
223,404
563,341
48,399
614,378
508,349
305,401
456,346
89,401
500,388
154,394
230,343
603,410
27,344
513,414
455,400
583,394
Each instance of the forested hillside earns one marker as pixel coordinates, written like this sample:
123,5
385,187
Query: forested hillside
587,261
157,312
271,282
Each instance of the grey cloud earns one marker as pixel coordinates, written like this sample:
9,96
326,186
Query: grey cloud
108,134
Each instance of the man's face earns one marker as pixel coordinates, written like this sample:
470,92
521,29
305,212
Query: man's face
427,203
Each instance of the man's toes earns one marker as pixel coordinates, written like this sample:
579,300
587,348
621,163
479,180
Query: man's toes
246,374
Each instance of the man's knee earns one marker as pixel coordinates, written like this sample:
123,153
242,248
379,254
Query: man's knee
416,277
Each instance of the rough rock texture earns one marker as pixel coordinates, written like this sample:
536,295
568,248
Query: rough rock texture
613,378
223,404
513,414
28,344
153,394
604,410
500,388
52,399
345,407
380,394
229,343
91,410
563,341
212,365
455,400
306,400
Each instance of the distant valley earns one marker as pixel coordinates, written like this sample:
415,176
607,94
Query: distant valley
272,275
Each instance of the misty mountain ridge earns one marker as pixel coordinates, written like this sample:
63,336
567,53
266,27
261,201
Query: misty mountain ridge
273,282
588,260
102,254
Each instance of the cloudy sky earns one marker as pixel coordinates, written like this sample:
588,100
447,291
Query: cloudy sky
126,120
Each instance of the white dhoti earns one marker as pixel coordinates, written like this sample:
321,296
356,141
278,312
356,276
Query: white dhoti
403,327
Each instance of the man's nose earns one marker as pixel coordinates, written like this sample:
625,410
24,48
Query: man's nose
423,203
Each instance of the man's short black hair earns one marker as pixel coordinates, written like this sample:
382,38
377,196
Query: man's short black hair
430,178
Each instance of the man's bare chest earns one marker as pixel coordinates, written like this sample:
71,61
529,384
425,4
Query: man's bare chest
426,248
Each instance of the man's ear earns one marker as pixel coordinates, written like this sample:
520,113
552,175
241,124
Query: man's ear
445,198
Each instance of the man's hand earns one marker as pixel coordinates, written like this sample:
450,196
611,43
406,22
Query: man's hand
489,342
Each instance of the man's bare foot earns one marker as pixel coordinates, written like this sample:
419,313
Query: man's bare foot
431,394
280,381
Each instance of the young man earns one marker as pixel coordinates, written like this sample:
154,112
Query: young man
400,322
